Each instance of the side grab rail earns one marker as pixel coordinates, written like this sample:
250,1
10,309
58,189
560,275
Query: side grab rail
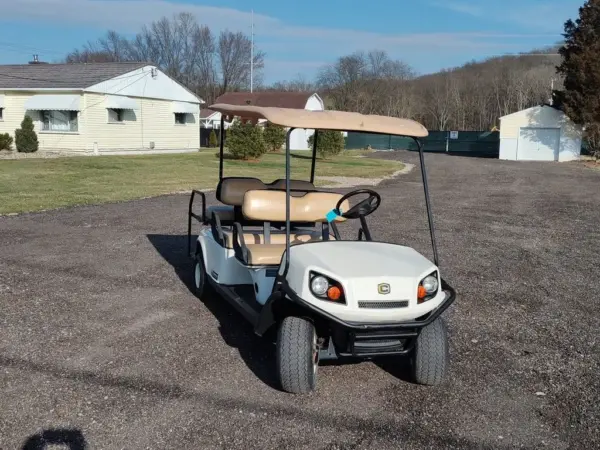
239,243
191,215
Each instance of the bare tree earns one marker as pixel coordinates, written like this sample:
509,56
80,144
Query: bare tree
364,82
298,84
186,51
234,50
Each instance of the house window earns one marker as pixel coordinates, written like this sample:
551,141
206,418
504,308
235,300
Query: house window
115,115
180,118
59,121
1,113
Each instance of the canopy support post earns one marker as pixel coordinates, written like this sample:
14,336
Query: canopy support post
314,157
221,142
427,202
287,201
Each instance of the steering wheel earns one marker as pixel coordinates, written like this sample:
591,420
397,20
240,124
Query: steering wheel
362,208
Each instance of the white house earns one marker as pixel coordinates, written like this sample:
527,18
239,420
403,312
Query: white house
297,100
116,108
541,133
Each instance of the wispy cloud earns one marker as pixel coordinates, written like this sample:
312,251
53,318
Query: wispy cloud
460,7
131,15
540,15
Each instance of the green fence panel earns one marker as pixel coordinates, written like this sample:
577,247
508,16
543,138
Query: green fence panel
472,143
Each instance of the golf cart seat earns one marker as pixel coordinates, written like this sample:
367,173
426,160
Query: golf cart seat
231,190
269,206
258,237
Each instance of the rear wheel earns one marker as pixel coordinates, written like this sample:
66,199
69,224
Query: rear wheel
201,283
430,356
297,355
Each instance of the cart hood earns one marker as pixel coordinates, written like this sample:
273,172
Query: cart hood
361,267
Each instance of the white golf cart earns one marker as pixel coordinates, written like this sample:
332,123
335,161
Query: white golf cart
275,253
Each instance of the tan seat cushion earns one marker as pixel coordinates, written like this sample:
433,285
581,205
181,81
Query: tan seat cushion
270,206
257,237
265,254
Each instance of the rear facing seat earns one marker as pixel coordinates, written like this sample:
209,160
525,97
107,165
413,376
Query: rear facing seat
269,206
231,190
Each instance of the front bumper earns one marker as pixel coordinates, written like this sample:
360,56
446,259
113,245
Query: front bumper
365,340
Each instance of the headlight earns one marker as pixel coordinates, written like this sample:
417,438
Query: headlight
319,286
430,284
325,288
428,287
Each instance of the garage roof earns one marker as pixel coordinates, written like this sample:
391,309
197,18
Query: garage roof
277,99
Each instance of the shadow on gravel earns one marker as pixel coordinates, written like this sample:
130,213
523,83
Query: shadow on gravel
257,353
398,367
72,439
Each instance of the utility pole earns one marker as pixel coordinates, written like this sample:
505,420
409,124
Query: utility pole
252,54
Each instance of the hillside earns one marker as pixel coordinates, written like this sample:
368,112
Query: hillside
470,97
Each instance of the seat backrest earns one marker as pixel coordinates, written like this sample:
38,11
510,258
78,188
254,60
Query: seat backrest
299,185
231,190
269,206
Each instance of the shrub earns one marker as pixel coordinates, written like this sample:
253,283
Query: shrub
245,140
212,139
274,136
329,143
6,141
25,138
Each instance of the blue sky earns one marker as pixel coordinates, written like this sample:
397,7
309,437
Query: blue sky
301,36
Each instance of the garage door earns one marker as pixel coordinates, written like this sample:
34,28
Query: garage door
538,144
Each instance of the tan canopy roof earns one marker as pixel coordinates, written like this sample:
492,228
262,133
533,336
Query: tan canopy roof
325,120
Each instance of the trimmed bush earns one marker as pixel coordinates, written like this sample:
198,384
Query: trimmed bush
25,138
6,141
329,143
245,141
274,136
212,139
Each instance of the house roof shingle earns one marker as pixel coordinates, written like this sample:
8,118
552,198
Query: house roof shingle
277,99
67,76
205,113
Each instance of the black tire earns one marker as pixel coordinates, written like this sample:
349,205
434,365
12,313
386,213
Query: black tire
430,356
202,286
297,355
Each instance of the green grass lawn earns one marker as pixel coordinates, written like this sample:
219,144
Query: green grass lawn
35,184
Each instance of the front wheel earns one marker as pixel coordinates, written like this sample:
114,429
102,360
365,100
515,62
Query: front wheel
430,355
297,355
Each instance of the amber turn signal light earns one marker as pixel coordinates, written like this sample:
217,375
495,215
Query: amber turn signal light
421,293
334,293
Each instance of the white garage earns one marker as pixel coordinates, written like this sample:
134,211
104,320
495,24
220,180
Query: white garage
541,133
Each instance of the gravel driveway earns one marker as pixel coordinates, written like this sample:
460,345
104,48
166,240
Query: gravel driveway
101,340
